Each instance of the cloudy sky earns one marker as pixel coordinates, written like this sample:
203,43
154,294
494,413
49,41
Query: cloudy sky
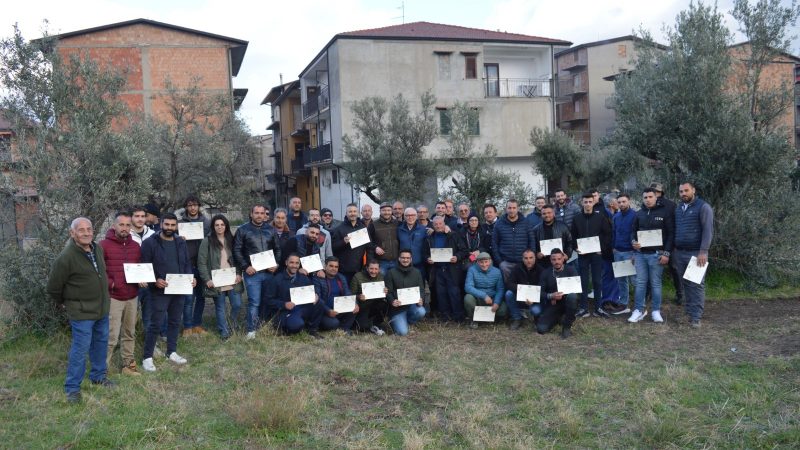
284,36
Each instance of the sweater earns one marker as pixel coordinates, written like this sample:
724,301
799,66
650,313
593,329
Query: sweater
399,278
75,283
117,252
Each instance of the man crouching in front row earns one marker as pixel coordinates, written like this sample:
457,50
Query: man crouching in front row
557,305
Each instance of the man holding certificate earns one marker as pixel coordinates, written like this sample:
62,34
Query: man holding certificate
193,226
119,249
256,237
526,274
333,285
694,229
219,273
444,252
560,306
298,309
169,257
370,290
484,287
548,233
591,234
404,276
307,245
351,257
652,236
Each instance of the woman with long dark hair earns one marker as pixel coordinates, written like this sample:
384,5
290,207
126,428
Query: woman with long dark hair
216,253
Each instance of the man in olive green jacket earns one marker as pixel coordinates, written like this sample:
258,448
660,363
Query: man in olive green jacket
78,284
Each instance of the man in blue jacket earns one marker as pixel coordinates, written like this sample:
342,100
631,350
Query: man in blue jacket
484,287
292,318
411,235
622,225
512,236
331,286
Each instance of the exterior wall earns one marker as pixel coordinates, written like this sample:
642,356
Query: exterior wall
605,60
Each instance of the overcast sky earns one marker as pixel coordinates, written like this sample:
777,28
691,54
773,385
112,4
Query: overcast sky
284,36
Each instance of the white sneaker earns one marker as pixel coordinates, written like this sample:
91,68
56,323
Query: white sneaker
148,365
176,358
375,330
250,335
637,316
657,317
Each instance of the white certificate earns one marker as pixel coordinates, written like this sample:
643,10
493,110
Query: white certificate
408,296
649,238
344,304
373,290
569,285
139,273
179,284
528,292
441,254
223,277
589,245
546,246
191,231
624,268
695,273
303,295
263,260
359,238
311,263
483,314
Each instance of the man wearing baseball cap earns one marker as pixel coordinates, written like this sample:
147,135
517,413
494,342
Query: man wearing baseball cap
484,287
673,270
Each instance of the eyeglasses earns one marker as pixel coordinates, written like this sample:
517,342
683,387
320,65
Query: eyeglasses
327,215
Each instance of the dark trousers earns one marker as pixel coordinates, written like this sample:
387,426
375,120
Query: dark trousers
343,321
564,310
677,279
591,265
300,317
172,307
371,312
448,295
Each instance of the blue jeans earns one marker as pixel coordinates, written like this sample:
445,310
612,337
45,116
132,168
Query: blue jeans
147,310
219,304
694,295
300,317
624,282
255,284
88,336
610,285
514,306
194,305
386,266
167,308
591,265
648,271
403,319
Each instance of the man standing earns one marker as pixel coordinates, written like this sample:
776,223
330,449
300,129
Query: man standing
535,217
371,312
694,229
397,211
351,260
139,232
404,275
591,224
463,215
512,236
120,249
560,306
386,244
323,237
446,276
622,226
296,218
450,218
305,245
78,284
292,318
565,209
650,260
194,305
333,285
411,235
550,228
484,287
423,216
328,222
366,214
168,256
153,217
677,278
487,228
255,236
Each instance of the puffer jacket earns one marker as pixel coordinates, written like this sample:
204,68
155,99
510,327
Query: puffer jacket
117,252
510,239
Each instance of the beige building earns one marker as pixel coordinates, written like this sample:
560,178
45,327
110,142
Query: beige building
507,77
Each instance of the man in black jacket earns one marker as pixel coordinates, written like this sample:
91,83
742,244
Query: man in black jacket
528,273
550,228
446,276
591,223
560,306
351,260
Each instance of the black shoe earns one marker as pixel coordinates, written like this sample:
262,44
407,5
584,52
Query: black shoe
105,382
473,325
315,334
74,398
348,332
583,312
515,324
600,312
565,333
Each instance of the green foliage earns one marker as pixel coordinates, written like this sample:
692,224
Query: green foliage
386,156
475,178
556,155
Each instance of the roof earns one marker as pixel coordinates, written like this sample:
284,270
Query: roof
278,93
606,42
427,31
779,52
237,49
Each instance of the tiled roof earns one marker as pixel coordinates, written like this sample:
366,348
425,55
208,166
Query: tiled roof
437,31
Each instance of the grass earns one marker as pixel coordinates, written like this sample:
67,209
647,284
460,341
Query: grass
732,383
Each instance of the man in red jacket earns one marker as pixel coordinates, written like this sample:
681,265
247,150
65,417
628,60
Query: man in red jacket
119,248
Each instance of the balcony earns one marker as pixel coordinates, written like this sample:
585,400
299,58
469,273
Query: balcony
297,165
573,61
570,115
315,156
516,87
316,104
581,137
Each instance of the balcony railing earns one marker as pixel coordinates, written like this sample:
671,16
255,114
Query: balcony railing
316,155
316,103
568,115
570,87
573,60
516,87
297,165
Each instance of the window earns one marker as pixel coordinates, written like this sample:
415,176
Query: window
492,75
470,66
622,50
577,106
335,176
443,63
445,125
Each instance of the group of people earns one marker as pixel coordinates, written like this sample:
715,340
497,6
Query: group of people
446,264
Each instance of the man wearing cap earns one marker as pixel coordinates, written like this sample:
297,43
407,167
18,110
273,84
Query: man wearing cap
560,307
386,243
153,217
672,267
484,287
328,222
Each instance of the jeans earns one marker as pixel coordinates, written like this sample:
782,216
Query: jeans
371,312
648,271
194,305
88,336
507,268
694,295
624,282
219,306
448,295
301,316
255,284
470,302
514,306
170,306
564,309
147,310
610,286
386,266
342,320
403,319
591,265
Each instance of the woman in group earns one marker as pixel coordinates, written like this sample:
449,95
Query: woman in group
471,234
216,253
